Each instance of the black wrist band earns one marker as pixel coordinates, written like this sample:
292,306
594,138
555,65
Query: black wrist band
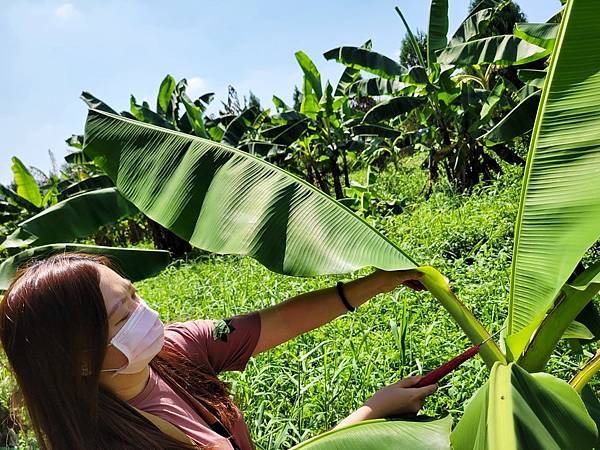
340,289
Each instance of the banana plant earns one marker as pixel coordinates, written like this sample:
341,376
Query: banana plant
458,88
315,140
228,201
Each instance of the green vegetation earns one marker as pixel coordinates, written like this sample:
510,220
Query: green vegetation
338,366
252,183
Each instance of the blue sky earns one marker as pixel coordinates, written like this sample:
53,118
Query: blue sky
52,50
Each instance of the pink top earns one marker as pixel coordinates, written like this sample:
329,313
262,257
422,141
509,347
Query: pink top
195,338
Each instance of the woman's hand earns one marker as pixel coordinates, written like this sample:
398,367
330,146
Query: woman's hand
399,398
394,400
391,280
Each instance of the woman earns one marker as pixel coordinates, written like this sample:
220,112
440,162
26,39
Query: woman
97,369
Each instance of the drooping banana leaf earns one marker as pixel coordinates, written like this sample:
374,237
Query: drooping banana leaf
384,435
517,410
367,60
577,330
237,127
560,202
135,264
378,86
223,200
516,123
27,187
73,218
500,50
350,75
541,34
226,201
96,182
472,27
437,34
286,134
393,107
376,130
535,78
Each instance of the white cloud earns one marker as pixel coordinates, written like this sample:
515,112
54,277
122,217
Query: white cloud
66,11
196,86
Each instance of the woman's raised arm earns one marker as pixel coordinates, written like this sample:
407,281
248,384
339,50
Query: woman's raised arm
310,310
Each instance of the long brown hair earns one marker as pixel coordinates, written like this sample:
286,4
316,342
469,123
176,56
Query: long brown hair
53,322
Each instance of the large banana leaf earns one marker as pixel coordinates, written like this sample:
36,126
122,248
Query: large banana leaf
378,86
516,123
393,107
226,201
76,217
367,60
499,50
135,264
384,435
27,187
560,202
540,34
517,410
92,183
472,27
437,34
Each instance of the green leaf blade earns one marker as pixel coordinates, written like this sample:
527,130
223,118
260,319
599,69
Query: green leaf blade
560,204
227,201
27,187
384,435
518,410
367,60
437,35
500,50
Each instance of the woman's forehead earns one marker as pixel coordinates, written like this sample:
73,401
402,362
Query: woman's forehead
114,288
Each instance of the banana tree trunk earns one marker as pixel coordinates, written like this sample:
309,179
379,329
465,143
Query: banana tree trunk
335,172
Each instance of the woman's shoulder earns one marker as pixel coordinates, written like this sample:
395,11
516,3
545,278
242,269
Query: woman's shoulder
225,344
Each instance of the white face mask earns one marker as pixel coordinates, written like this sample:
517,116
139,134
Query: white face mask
140,339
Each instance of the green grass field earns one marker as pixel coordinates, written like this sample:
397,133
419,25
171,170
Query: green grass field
305,386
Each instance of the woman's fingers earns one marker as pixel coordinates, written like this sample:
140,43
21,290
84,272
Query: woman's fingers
426,391
409,382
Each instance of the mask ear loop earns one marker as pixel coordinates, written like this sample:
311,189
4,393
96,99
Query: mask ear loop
116,371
